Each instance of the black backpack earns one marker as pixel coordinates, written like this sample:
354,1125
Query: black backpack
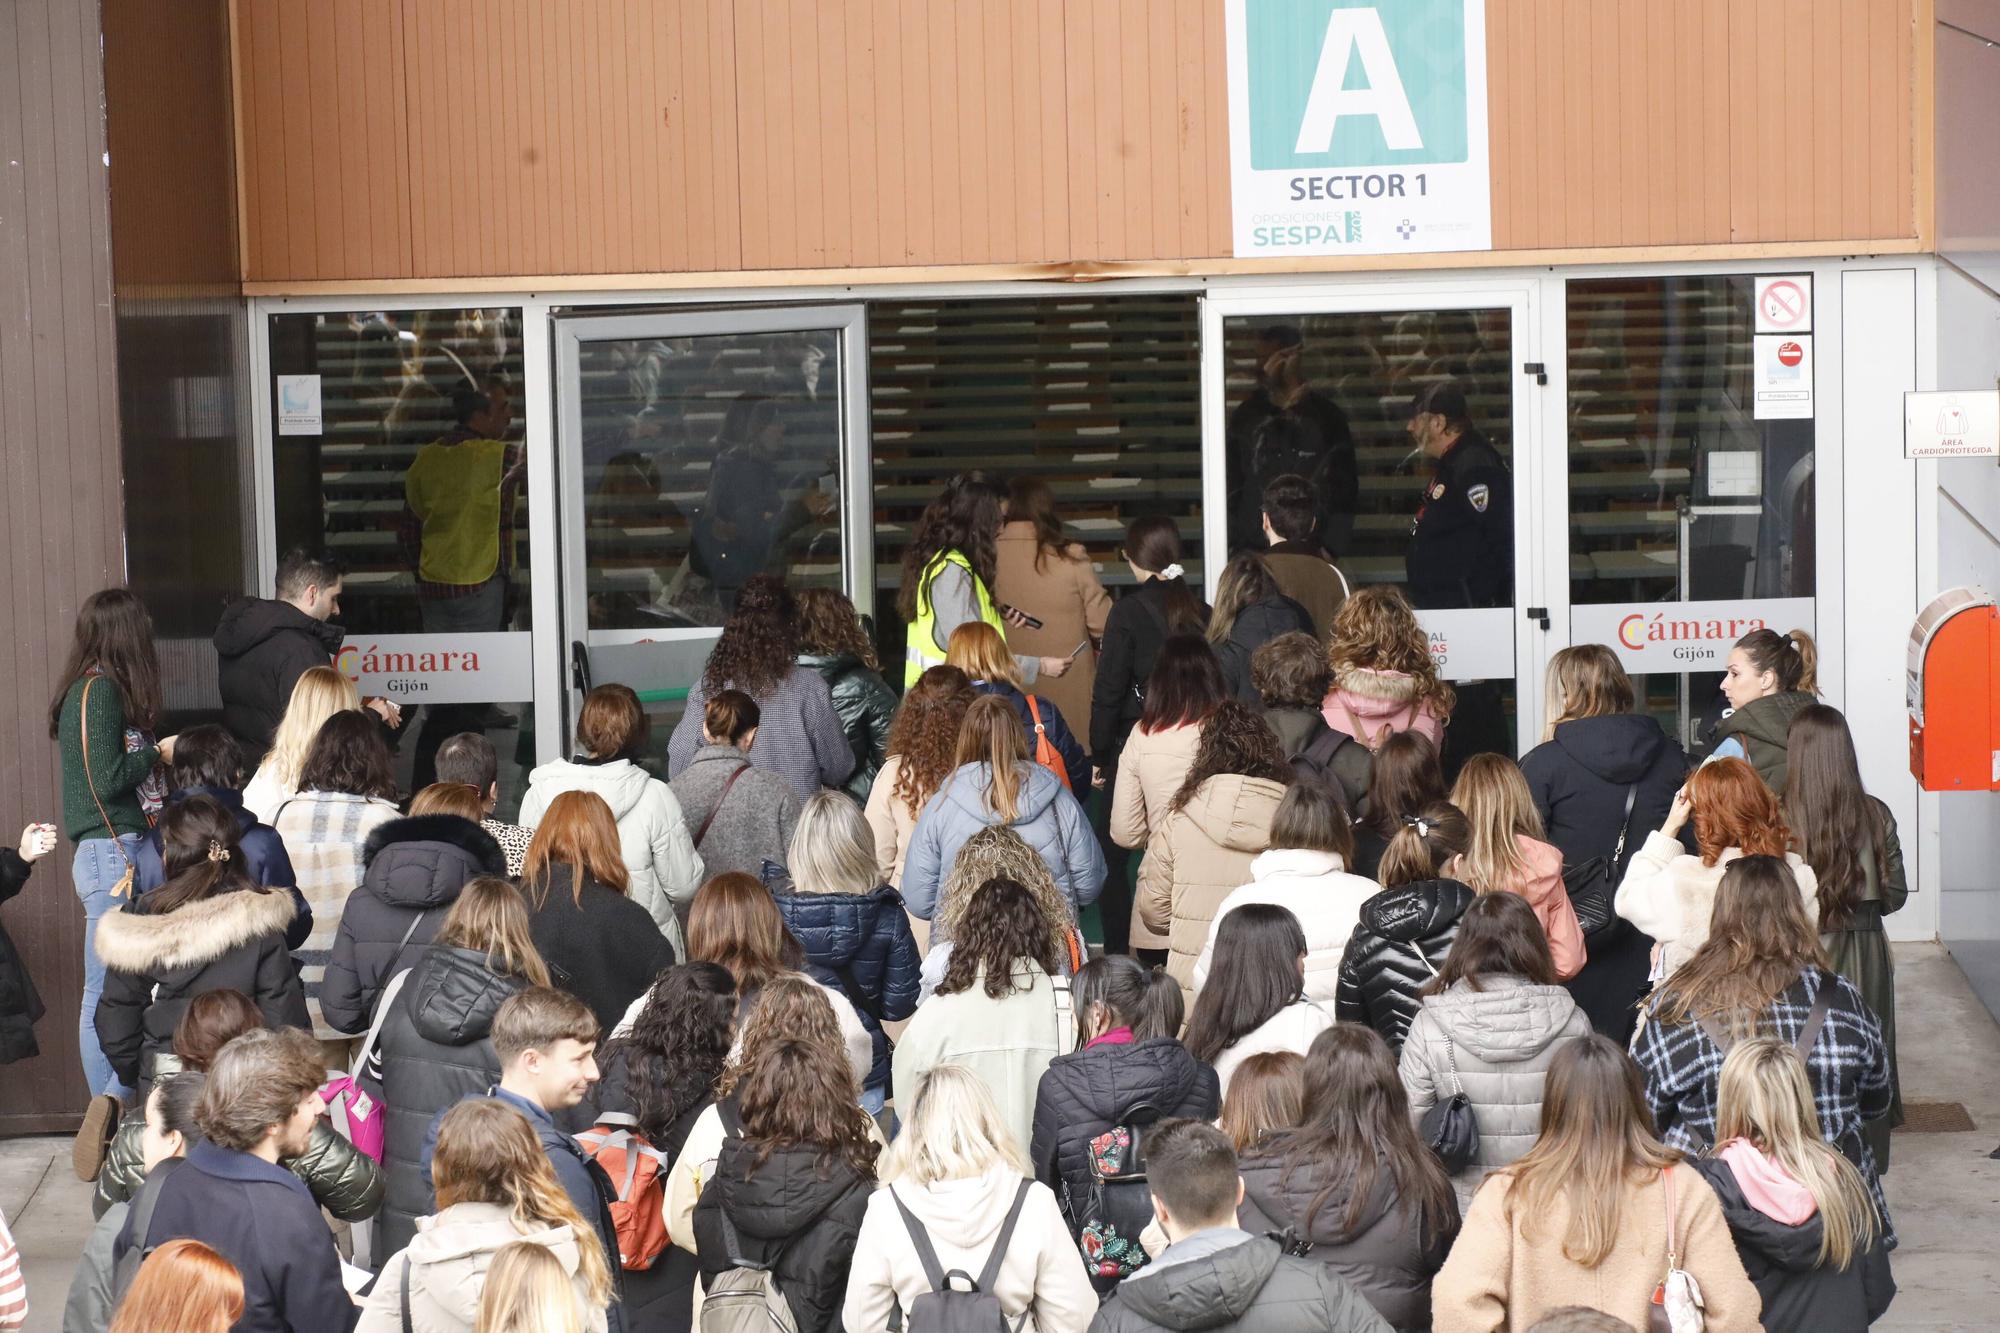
1118,1206
948,1309
1337,760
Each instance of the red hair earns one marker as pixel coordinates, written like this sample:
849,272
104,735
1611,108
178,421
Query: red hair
1733,808
577,830
183,1287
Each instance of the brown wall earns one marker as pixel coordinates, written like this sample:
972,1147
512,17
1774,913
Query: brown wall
408,139
59,445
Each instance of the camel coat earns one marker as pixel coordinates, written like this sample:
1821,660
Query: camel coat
1200,854
1497,1278
1071,604
1151,769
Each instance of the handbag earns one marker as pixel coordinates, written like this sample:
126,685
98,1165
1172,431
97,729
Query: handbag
1676,1306
1591,883
123,888
359,1118
1046,753
1449,1128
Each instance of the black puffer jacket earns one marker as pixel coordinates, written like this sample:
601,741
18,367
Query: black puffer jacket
1381,972
1088,1092
1134,629
865,705
1390,1259
155,962
344,1180
20,1004
788,1213
860,945
413,870
1256,625
436,1049
1580,780
1782,1262
262,648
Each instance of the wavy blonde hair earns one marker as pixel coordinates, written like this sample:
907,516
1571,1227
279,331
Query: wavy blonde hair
1586,680
1375,630
1501,810
952,1130
527,1291
1000,853
320,693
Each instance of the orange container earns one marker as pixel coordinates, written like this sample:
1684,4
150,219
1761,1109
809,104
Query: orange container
1954,693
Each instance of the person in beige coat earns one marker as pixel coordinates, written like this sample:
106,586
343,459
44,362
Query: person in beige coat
1215,826
1583,1218
957,1174
1670,895
1040,572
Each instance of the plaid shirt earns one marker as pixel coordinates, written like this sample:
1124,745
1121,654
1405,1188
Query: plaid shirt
1848,1067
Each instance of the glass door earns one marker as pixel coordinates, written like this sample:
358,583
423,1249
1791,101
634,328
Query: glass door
697,450
1412,412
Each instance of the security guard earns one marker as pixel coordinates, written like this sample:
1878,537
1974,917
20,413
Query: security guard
1462,544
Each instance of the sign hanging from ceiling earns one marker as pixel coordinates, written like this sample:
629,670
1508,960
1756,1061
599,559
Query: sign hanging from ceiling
1358,127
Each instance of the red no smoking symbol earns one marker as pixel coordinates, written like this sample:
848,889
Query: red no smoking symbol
1790,354
1784,303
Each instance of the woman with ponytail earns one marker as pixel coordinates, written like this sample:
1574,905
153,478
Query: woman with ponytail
209,927
1770,677
1407,929
1161,603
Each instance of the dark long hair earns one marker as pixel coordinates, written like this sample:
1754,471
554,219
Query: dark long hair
1029,500
1133,995
114,634
1760,942
1185,686
1234,739
754,652
1405,777
829,626
801,1094
1499,936
678,1045
201,847
349,756
1002,925
1829,811
965,517
1153,543
1356,1124
1792,658
1258,969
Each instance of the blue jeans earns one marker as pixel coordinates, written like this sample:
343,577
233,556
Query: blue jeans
98,867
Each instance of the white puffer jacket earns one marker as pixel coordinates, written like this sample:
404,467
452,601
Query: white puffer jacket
1314,887
652,835
1503,1038
1670,895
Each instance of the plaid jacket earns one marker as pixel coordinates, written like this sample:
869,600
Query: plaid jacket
1848,1067
324,832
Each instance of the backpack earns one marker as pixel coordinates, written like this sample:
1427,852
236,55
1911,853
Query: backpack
1046,753
1119,1204
744,1297
139,1221
948,1309
1337,760
638,1174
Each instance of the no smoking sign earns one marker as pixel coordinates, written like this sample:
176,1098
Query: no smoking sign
1784,305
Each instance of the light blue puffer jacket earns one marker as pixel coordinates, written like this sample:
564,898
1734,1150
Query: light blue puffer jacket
1050,821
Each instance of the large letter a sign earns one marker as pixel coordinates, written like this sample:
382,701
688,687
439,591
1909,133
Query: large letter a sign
1358,126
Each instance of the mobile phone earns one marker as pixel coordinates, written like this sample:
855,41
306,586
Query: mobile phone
1030,621
1079,648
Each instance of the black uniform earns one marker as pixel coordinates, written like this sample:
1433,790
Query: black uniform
1462,544
1311,439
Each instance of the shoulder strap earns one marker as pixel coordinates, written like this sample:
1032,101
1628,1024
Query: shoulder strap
1065,1015
1034,711
716,809
991,1273
1324,747
90,780
1723,1041
1417,949
374,1037
926,1252
1815,1020
408,1326
1624,826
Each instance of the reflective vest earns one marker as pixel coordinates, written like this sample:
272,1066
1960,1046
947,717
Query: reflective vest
921,651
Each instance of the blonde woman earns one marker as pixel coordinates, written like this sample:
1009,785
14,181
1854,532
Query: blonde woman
956,1172
320,693
528,1291
1508,855
981,653
998,853
495,1187
1804,1223
1384,678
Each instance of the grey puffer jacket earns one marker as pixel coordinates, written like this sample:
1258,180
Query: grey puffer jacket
865,705
1500,1039
1238,1282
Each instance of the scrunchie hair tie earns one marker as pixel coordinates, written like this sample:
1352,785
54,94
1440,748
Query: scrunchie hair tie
1422,826
216,851
1172,572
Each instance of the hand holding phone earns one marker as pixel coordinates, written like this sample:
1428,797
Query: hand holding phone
1014,616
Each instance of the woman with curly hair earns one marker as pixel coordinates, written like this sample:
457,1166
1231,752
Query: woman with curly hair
999,1010
800,737
1384,678
1215,826
922,751
833,642
998,853
948,572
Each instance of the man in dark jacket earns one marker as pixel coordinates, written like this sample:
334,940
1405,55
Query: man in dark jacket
1215,1275
1288,428
265,646
1296,559
260,1104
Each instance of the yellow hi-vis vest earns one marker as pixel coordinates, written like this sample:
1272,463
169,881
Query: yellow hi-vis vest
921,651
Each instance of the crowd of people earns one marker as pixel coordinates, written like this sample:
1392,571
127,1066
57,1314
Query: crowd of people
810,1033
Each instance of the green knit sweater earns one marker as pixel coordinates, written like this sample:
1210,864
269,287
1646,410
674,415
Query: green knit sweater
117,772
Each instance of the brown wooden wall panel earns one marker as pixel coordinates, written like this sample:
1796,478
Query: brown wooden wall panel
484,138
59,449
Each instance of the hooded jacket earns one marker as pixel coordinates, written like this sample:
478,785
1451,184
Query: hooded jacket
1256,625
600,945
1781,1259
1292,1029
1047,818
653,836
1090,1091
413,871
263,852
1763,728
1369,705
1199,854
860,945
793,1212
1134,629
1008,1041
1494,1044
155,962
20,1003
1390,1258
447,1261
1040,1276
262,647
1246,1284
1316,889
1401,941
752,824
865,705
1541,883
1669,894
436,1049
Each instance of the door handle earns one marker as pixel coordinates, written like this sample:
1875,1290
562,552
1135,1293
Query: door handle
1540,615
579,667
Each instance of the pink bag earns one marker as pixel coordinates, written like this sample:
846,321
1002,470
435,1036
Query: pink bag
357,1117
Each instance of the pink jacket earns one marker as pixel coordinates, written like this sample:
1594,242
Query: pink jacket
1542,885
1370,705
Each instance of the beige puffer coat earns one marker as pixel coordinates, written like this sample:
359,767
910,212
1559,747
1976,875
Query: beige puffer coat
1199,855
1151,769
1503,1038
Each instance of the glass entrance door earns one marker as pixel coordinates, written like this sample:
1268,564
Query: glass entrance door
1411,417
697,450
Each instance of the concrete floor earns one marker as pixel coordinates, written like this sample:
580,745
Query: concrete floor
1944,1190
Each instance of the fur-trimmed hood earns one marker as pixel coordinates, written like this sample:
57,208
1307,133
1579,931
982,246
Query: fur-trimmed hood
1369,704
193,935
1379,686
422,861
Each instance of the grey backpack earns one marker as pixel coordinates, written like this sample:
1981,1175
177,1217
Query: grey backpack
744,1298
948,1309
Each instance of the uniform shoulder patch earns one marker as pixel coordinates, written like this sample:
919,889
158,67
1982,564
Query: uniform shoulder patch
1479,497
1437,491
